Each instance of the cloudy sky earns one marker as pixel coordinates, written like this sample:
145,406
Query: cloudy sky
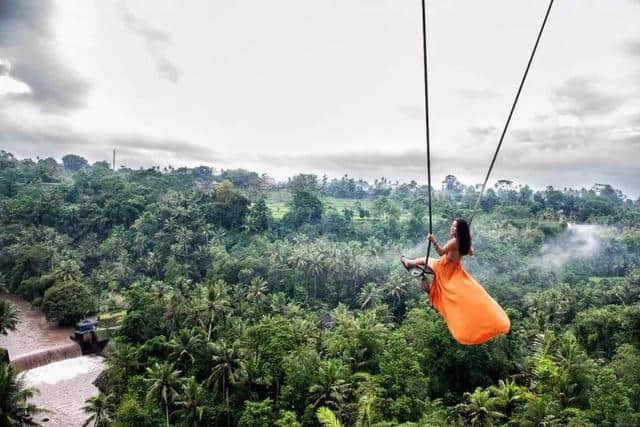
327,86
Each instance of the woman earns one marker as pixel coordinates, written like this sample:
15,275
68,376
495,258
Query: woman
473,317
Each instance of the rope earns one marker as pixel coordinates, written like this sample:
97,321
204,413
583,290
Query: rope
513,107
426,112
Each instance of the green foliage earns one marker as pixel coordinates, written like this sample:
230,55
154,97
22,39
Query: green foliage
68,302
74,163
100,409
305,209
609,402
15,408
257,414
235,316
8,317
327,417
133,413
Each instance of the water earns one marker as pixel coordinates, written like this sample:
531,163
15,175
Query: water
65,384
33,332
43,357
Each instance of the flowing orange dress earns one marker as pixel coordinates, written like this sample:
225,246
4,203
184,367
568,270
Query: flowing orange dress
473,317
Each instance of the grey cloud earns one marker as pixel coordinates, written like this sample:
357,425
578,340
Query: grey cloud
482,132
5,66
156,42
632,47
26,42
173,146
59,139
582,96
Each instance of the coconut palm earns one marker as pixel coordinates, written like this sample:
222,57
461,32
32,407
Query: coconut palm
507,396
121,359
257,289
540,411
191,402
327,417
101,409
68,271
370,296
330,387
216,301
278,303
314,269
396,288
479,408
163,383
226,360
184,345
14,396
8,317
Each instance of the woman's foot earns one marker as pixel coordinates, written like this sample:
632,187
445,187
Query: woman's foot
406,263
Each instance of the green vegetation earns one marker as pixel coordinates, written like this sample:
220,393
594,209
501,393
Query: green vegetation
8,317
15,409
237,301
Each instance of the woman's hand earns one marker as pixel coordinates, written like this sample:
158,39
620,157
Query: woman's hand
431,238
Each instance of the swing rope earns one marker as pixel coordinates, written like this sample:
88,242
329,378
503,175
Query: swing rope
426,113
513,107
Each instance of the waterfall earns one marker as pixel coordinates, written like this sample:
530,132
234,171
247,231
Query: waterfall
43,357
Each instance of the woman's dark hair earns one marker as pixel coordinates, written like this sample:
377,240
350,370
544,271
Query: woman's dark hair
463,235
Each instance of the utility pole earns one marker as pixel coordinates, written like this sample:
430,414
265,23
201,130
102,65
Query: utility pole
114,159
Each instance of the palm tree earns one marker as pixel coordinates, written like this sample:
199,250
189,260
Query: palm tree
396,288
191,403
327,417
257,290
14,396
370,296
507,396
163,383
183,346
101,409
68,271
315,267
540,411
226,360
368,391
8,317
479,408
358,270
121,359
278,303
330,387
216,300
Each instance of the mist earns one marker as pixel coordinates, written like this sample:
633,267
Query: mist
578,242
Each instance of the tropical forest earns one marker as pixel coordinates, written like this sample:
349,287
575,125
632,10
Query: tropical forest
235,299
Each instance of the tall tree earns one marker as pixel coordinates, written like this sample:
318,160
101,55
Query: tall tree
163,384
101,409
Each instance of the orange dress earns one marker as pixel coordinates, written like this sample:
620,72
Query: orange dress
473,317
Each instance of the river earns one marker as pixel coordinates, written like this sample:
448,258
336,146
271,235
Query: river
64,385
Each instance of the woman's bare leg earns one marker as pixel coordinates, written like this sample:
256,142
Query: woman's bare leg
420,262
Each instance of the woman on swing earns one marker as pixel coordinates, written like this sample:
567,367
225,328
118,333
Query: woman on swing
473,317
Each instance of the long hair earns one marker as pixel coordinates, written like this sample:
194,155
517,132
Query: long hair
463,234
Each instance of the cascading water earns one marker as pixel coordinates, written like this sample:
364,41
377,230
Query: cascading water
53,364
44,357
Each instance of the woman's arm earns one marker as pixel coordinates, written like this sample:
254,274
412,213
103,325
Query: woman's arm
452,244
